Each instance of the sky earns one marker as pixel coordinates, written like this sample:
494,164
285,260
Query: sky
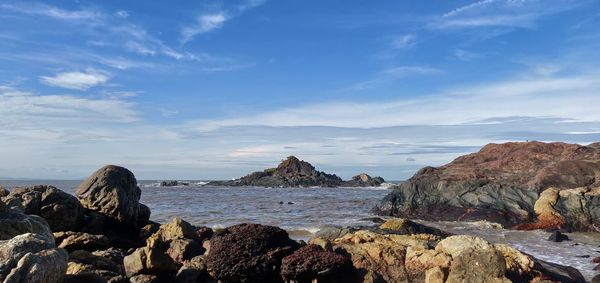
216,89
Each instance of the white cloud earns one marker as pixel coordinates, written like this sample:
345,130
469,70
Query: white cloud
122,14
76,80
556,97
501,13
204,23
393,74
51,11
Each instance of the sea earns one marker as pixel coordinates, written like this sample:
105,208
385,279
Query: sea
303,211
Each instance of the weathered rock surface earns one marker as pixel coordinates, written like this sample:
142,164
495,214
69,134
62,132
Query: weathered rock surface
62,211
312,262
424,257
14,223
113,192
507,183
363,180
72,241
248,253
31,258
291,172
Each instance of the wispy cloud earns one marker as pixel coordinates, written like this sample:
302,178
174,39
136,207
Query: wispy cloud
51,11
76,80
405,41
393,74
501,13
204,23
207,22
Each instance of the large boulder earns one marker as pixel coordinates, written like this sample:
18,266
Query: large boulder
15,223
364,180
61,210
248,253
113,192
505,183
31,258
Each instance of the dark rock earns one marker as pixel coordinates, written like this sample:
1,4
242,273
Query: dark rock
248,253
377,220
311,262
116,255
113,192
291,172
333,232
559,273
558,237
14,223
169,183
478,266
194,271
507,184
289,202
62,211
363,180
98,262
596,279
149,229
3,192
596,259
72,241
84,277
204,233
597,268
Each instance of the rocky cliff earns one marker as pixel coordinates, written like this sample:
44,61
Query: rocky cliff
525,184
293,172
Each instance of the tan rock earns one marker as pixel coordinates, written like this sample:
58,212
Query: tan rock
435,275
455,245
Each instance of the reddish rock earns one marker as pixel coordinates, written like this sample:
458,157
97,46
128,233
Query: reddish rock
312,262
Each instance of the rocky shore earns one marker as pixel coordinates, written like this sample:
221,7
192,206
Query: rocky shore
524,185
293,172
103,234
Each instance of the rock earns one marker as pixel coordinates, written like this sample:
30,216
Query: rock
116,255
596,279
14,223
248,252
503,182
311,262
455,245
169,183
363,180
596,259
144,278
176,229
3,192
435,275
181,250
84,277
204,233
291,172
149,261
12,250
333,232
407,227
61,210
477,265
72,241
193,271
98,262
149,229
112,191
46,266
558,237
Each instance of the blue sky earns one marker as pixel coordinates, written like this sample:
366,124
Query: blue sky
215,89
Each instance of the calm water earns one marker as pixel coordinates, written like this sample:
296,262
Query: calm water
311,208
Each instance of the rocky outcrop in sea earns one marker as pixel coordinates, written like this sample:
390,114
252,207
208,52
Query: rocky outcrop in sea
293,172
110,238
526,185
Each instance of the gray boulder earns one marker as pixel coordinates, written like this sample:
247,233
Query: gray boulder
113,192
14,223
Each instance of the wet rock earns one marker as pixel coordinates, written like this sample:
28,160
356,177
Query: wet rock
112,191
558,237
407,227
596,259
311,262
72,241
248,252
502,183
144,278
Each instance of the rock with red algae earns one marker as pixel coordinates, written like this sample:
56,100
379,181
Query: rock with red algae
312,262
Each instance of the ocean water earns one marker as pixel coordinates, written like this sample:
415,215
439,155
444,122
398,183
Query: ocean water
303,211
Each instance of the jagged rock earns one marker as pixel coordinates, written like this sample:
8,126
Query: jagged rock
176,229
149,229
113,192
312,262
291,172
248,252
363,180
116,255
181,250
62,211
558,237
194,271
98,262
503,182
72,241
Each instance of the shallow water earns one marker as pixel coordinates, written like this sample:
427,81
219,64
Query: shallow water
312,208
